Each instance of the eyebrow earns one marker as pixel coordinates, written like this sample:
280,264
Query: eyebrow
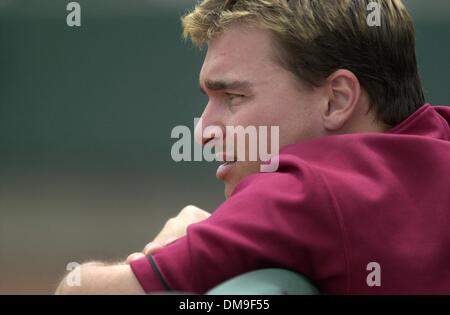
225,85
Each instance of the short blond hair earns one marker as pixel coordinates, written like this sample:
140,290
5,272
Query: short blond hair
317,37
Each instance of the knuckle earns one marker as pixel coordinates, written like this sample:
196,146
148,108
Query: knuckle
189,209
170,222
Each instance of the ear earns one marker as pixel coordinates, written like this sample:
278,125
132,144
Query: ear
345,93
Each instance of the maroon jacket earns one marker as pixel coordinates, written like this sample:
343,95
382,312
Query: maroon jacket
335,205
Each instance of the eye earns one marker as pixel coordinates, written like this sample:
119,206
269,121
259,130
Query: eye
232,96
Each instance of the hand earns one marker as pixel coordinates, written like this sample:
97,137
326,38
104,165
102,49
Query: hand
173,229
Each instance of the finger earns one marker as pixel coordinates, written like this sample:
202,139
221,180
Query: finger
134,256
152,248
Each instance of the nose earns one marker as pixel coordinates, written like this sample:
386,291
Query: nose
209,127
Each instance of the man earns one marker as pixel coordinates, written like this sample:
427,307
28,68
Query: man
363,178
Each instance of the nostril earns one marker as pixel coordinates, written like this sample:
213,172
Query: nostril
205,141
205,133
211,132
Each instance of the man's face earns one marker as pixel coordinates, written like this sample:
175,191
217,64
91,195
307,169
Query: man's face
247,86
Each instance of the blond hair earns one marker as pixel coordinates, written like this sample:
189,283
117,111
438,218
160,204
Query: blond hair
317,37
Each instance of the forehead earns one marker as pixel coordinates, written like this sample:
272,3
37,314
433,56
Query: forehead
241,52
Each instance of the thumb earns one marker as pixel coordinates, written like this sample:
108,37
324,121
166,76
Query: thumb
151,248
134,256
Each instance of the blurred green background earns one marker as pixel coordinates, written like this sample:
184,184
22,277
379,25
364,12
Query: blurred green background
85,120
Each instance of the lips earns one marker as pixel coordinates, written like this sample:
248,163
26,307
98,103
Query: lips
224,169
229,160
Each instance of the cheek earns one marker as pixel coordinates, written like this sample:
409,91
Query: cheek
260,113
294,131
297,122
297,115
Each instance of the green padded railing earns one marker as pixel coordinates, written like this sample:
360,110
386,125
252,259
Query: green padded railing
266,282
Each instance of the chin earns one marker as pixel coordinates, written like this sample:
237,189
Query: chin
231,183
238,174
228,190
